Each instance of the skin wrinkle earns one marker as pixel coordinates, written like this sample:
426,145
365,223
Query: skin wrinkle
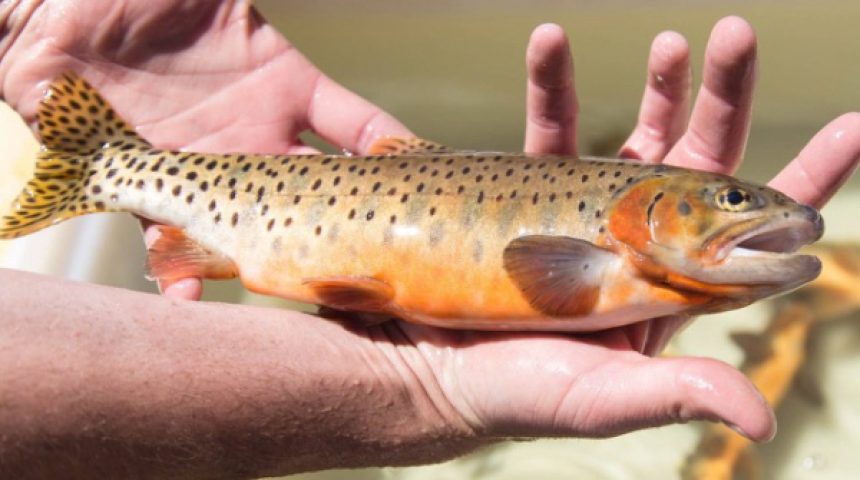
395,335
11,10
557,119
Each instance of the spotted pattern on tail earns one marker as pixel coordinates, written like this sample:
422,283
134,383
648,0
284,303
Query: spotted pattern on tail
75,124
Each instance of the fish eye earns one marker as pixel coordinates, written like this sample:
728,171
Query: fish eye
734,199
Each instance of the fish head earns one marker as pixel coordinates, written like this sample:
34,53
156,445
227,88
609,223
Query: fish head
715,234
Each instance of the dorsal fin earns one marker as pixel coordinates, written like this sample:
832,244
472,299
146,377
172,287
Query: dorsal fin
404,146
74,118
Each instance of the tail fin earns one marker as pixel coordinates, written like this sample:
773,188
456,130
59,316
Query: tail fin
77,127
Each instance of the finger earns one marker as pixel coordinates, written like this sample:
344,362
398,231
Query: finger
650,391
719,124
663,329
826,162
190,288
348,121
666,101
551,107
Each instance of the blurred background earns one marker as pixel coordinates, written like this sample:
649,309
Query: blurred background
453,71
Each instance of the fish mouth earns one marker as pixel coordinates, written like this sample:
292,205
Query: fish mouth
763,251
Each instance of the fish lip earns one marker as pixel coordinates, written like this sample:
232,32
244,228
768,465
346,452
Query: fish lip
760,253
771,237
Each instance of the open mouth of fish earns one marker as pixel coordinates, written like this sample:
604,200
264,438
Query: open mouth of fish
763,251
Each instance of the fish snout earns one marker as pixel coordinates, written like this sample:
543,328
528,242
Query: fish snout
815,219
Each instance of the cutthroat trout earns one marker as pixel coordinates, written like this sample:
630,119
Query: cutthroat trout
419,232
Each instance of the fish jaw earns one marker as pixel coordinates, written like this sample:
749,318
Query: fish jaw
761,252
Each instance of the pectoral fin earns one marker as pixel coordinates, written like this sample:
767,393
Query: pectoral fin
559,276
405,146
174,255
363,294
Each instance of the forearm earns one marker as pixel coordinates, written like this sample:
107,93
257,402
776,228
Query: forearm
98,382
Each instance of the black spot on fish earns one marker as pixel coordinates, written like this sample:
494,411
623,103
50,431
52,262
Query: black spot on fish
684,208
584,178
234,219
581,206
369,215
191,176
177,190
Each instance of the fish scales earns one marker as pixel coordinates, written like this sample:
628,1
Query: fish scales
455,239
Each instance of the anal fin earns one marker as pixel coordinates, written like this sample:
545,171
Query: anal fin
364,294
405,146
174,255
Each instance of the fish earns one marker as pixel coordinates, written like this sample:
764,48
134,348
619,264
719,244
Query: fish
417,231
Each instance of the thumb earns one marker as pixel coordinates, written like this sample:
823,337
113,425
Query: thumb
650,392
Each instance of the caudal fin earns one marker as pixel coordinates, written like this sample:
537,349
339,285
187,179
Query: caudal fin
76,127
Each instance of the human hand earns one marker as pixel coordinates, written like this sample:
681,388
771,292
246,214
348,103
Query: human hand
214,76
712,138
601,384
